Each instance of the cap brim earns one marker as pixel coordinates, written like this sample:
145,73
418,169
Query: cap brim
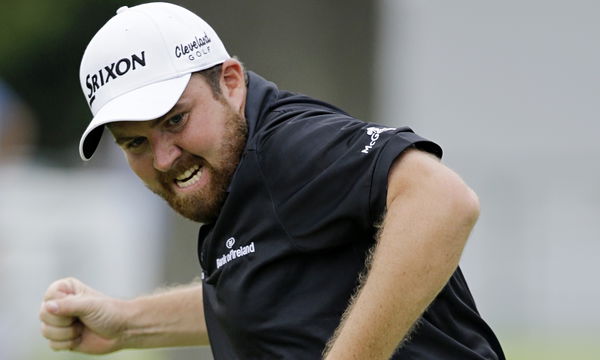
146,103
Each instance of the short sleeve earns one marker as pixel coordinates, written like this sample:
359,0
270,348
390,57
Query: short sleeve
390,149
327,174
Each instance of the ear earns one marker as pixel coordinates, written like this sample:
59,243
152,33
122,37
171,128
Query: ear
233,84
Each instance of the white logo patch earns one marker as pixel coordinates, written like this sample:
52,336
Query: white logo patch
230,242
234,253
374,132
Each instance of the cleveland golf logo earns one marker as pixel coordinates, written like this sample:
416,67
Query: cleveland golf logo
116,69
374,132
195,48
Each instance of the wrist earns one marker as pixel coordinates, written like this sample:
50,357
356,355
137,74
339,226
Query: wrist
128,334
143,323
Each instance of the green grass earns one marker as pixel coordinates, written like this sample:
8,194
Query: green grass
586,347
531,348
193,353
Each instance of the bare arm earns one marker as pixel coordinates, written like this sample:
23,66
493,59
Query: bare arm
171,318
430,213
76,317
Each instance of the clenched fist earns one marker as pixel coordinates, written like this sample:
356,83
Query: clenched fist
78,318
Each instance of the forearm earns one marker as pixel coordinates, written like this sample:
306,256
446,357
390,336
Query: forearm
418,249
171,318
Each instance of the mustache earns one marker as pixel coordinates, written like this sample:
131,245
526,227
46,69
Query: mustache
181,165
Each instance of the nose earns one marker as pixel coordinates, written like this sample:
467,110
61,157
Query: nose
165,153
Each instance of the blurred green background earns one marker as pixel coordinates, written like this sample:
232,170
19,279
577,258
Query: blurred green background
509,89
42,43
315,44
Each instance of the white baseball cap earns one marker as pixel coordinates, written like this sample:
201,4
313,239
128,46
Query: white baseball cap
138,64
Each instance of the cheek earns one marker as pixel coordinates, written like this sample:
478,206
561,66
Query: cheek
205,133
199,142
142,166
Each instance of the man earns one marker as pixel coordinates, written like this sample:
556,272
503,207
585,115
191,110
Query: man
322,235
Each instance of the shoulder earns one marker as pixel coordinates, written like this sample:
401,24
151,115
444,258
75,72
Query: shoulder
302,131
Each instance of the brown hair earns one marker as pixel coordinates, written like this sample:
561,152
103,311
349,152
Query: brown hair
212,76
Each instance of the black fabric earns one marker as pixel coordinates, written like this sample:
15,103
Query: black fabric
283,258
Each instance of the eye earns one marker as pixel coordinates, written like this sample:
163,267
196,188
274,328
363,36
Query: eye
135,143
175,121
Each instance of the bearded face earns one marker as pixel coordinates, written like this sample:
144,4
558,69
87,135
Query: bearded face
189,155
203,204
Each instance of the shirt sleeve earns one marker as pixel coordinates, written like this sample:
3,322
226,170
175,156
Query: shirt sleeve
327,174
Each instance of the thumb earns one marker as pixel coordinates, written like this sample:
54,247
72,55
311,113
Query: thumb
71,306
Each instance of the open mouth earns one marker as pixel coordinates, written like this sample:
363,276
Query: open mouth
188,177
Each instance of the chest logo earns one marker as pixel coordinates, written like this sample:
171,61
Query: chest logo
233,254
230,242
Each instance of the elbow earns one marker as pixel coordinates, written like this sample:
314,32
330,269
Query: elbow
466,207
472,205
459,216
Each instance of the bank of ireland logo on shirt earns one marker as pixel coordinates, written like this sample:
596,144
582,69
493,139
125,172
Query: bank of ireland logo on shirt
233,254
374,132
230,242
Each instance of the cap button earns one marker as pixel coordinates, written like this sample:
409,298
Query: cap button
121,9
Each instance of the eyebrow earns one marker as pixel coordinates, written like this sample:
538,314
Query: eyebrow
174,110
120,140
123,139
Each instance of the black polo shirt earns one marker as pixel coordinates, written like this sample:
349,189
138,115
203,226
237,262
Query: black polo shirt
282,260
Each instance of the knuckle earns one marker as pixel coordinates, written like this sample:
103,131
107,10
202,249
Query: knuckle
45,317
64,285
52,290
58,321
44,330
70,280
61,345
60,334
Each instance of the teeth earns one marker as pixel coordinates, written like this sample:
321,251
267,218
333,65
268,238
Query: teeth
191,181
187,173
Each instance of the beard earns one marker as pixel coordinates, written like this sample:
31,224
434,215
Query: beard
204,205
